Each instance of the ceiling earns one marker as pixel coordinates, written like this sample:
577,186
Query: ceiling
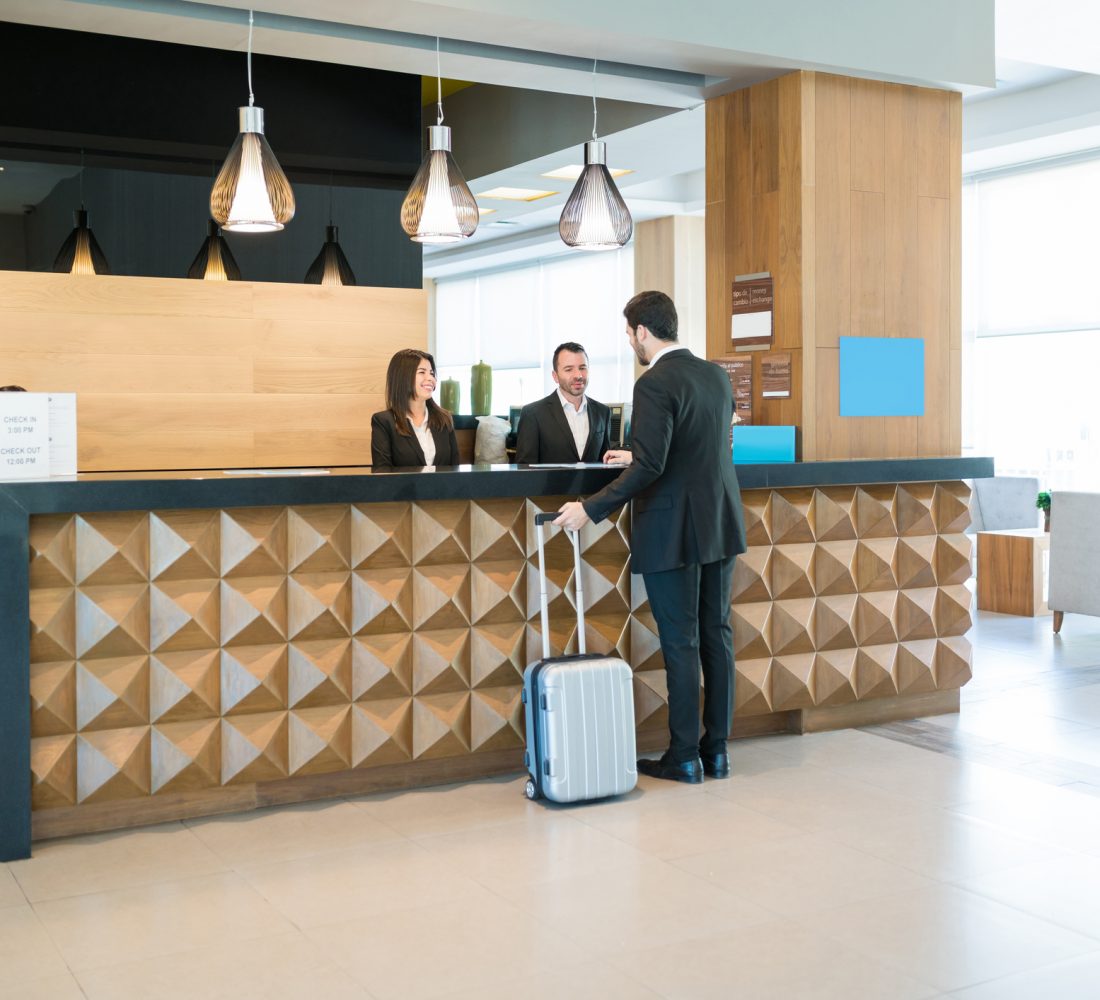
532,69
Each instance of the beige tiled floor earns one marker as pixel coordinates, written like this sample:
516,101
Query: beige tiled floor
956,856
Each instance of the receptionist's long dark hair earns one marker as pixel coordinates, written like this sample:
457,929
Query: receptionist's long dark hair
401,388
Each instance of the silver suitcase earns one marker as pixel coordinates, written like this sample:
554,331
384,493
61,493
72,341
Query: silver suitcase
580,712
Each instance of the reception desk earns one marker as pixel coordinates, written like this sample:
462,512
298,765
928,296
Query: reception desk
212,642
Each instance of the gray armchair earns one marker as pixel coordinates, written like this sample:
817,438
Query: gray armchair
1074,555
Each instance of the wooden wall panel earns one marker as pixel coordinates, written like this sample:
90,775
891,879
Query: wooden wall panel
833,211
755,176
177,374
868,132
862,233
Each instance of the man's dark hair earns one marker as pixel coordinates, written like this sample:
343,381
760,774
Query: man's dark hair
569,345
655,311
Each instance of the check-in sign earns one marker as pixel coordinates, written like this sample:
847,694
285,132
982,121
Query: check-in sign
24,435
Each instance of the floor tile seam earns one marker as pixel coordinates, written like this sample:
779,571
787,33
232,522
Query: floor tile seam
224,869
56,945
481,824
965,754
938,990
857,951
309,929
161,952
183,954
539,926
243,867
862,899
390,908
1091,935
497,825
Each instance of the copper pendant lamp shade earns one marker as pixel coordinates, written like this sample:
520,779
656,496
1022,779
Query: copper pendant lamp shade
595,216
439,207
331,266
251,193
80,253
214,261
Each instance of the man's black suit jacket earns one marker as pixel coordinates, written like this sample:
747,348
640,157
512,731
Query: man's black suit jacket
687,505
544,434
388,449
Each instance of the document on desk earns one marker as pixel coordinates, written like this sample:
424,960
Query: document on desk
575,465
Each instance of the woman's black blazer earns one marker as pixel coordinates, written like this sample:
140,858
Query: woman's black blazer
388,449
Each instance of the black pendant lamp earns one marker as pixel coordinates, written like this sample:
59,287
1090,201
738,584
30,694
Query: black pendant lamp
251,193
81,253
439,206
331,266
595,216
214,261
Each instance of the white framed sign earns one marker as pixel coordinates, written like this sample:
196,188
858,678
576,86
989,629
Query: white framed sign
37,434
24,435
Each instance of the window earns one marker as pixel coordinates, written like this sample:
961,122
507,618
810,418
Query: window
514,319
1032,322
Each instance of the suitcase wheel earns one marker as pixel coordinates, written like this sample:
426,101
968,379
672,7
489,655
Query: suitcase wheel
530,790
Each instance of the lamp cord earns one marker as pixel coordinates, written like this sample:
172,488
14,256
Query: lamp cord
251,96
82,179
438,85
594,99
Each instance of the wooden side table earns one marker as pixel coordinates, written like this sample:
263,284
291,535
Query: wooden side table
1012,571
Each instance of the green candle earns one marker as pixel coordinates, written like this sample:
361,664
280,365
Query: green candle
481,389
448,395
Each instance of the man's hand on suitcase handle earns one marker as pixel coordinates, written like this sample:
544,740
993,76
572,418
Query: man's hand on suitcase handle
571,515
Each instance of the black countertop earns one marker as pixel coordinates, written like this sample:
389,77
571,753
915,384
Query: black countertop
248,488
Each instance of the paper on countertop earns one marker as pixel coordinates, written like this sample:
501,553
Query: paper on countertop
276,472
575,465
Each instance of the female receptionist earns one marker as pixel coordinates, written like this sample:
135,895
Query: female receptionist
413,430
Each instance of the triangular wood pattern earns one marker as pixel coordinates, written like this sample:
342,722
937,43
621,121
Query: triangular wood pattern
274,641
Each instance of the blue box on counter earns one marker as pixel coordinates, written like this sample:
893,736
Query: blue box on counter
763,444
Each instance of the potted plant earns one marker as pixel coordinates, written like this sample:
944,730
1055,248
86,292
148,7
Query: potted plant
1042,501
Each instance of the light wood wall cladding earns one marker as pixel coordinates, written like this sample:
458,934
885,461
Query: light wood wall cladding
850,193
214,652
177,374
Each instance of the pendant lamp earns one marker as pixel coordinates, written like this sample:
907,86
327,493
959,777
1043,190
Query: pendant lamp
214,261
595,216
80,253
331,267
251,193
439,207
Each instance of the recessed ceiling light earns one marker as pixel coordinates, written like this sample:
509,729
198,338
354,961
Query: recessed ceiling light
1,169
573,171
516,194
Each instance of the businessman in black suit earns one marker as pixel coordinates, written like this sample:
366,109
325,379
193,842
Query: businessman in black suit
566,426
687,528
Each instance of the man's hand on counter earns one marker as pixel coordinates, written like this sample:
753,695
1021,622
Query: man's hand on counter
618,457
571,516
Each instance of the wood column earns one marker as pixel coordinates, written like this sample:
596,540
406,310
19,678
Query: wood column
670,256
849,193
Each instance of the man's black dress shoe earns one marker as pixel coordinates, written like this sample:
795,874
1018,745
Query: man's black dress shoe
716,765
690,771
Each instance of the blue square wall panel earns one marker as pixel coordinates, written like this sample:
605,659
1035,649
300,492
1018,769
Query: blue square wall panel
881,377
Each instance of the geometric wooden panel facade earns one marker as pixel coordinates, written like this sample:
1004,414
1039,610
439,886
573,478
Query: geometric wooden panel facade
184,651
849,593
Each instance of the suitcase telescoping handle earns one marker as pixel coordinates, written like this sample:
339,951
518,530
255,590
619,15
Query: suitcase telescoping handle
540,520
